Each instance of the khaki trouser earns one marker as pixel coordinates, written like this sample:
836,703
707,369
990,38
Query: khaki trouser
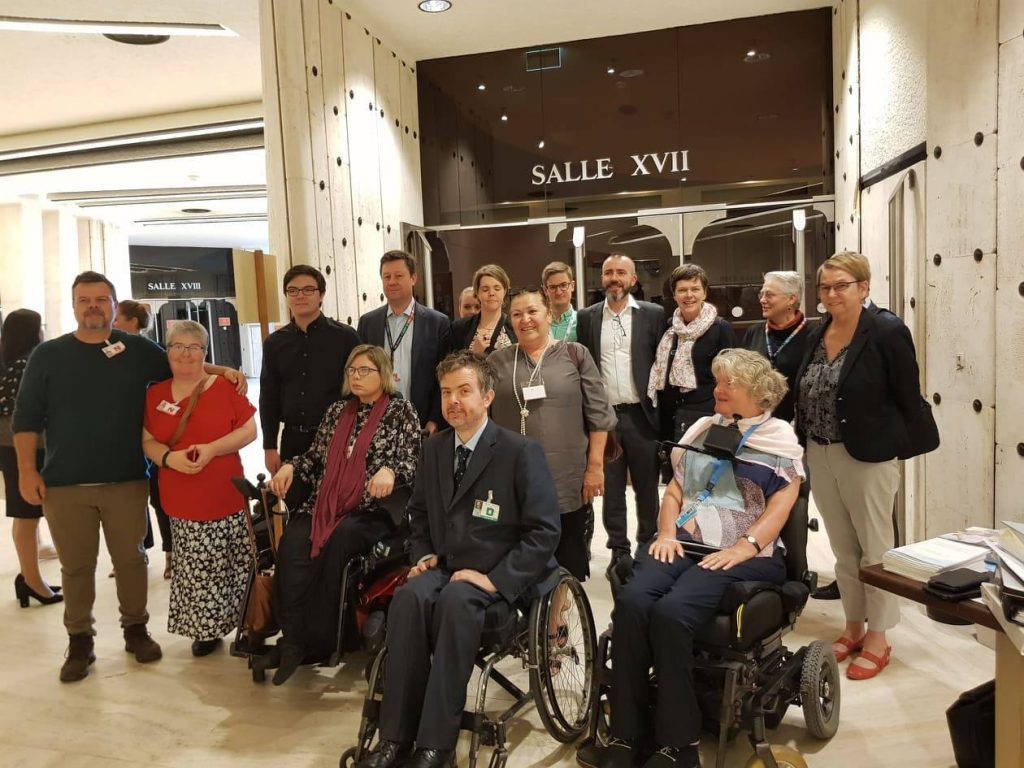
855,499
75,514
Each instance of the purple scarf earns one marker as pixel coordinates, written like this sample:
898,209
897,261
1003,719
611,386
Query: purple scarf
344,479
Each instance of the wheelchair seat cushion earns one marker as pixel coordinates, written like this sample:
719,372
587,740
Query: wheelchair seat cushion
750,611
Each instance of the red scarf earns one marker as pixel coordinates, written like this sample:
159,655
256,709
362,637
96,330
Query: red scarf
344,479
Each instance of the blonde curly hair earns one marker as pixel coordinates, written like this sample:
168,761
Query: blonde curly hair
752,371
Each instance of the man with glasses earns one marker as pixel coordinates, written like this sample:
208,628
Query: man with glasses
303,368
87,391
622,335
559,288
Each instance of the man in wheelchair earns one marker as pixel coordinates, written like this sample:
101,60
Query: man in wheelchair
733,490
485,525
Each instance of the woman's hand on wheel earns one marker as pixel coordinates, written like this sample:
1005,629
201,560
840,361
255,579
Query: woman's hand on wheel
381,484
282,481
665,549
725,559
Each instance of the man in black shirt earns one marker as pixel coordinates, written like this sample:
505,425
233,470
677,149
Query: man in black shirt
303,368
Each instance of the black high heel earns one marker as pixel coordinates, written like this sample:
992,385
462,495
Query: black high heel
23,592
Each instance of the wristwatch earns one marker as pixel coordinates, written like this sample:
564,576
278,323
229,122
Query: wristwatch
753,541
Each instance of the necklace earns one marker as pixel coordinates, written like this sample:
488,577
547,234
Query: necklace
524,412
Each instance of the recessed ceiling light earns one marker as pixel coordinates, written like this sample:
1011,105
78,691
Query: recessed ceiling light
627,73
481,87
752,52
611,70
435,6
540,144
755,56
138,39
504,117
195,210
83,27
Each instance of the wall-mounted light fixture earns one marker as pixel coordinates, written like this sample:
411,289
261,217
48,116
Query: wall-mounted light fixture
83,27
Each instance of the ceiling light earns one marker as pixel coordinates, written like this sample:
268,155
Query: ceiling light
138,39
611,70
238,126
481,87
628,73
755,56
435,6
83,27
195,210
504,116
540,144
752,52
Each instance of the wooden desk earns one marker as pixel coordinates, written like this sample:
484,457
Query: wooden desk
1009,661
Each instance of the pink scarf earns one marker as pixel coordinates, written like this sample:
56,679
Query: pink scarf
344,479
682,374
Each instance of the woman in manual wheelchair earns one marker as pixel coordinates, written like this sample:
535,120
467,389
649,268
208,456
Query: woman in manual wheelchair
736,507
368,444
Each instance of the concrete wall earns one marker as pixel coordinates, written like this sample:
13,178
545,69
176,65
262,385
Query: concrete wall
342,140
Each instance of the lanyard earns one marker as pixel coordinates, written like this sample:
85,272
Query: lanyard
393,345
523,410
768,343
716,475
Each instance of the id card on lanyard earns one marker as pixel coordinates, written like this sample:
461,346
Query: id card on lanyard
394,344
716,474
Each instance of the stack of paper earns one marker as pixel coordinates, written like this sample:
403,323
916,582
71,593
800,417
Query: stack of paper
924,559
1010,574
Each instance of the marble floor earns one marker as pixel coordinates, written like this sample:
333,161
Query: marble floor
207,712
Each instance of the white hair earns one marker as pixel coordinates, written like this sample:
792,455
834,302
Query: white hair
187,328
790,282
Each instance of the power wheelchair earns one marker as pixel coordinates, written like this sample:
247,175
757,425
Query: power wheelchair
560,667
745,676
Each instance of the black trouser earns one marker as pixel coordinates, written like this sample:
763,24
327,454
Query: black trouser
295,442
162,520
656,615
423,696
639,444
307,592
573,551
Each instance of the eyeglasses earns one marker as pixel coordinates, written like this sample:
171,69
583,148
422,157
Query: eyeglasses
180,349
560,288
307,290
839,288
361,372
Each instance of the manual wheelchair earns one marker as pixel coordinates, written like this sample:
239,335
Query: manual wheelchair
560,667
745,676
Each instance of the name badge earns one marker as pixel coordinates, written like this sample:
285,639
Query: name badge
169,408
536,392
113,350
486,510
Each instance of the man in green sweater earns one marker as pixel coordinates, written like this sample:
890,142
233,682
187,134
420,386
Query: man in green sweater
86,390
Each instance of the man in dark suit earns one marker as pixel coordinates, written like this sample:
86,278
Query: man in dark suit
485,525
622,335
416,337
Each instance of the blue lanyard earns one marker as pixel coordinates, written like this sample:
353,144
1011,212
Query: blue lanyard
768,343
716,475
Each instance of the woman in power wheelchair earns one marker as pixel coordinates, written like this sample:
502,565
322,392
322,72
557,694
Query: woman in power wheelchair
734,484
367,445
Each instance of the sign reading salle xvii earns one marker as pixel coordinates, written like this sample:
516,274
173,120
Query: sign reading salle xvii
590,170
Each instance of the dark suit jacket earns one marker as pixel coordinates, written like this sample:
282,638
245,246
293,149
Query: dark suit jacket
647,327
431,342
879,396
517,550
464,329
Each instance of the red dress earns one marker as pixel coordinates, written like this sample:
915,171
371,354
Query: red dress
208,495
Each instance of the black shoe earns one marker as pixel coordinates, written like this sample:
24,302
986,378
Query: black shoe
78,659
138,641
291,659
670,757
619,753
388,754
620,570
431,758
205,647
23,592
831,592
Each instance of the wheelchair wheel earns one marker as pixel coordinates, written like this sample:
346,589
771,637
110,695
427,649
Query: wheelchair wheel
562,652
348,758
819,690
785,757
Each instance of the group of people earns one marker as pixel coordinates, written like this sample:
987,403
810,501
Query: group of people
492,436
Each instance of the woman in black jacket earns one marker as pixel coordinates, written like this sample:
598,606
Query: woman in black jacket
782,337
681,382
490,329
858,401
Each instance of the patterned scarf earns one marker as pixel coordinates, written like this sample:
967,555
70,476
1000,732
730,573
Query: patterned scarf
681,374
344,477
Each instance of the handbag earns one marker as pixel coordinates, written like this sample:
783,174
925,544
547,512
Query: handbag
922,431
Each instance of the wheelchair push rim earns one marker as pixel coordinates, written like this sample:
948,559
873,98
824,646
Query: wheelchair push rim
562,648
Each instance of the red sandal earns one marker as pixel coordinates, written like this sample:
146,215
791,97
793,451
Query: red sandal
849,645
857,672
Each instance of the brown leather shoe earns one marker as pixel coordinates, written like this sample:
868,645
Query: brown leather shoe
138,641
77,658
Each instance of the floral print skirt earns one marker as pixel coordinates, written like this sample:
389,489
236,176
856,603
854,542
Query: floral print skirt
212,566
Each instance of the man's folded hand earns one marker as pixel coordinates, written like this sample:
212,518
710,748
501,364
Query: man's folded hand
477,579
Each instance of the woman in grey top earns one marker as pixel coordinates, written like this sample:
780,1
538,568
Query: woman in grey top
552,391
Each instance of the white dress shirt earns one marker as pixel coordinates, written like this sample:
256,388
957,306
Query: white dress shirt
401,360
616,346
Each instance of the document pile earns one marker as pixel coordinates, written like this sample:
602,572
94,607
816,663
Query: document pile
924,559
1010,571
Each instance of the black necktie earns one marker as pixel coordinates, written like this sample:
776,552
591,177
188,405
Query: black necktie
461,462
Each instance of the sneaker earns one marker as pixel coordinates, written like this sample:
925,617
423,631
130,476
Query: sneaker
138,642
78,658
671,757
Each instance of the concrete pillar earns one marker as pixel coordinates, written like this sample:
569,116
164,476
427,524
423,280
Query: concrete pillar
342,142
21,258
60,265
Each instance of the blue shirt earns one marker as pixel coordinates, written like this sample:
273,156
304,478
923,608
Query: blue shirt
471,443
